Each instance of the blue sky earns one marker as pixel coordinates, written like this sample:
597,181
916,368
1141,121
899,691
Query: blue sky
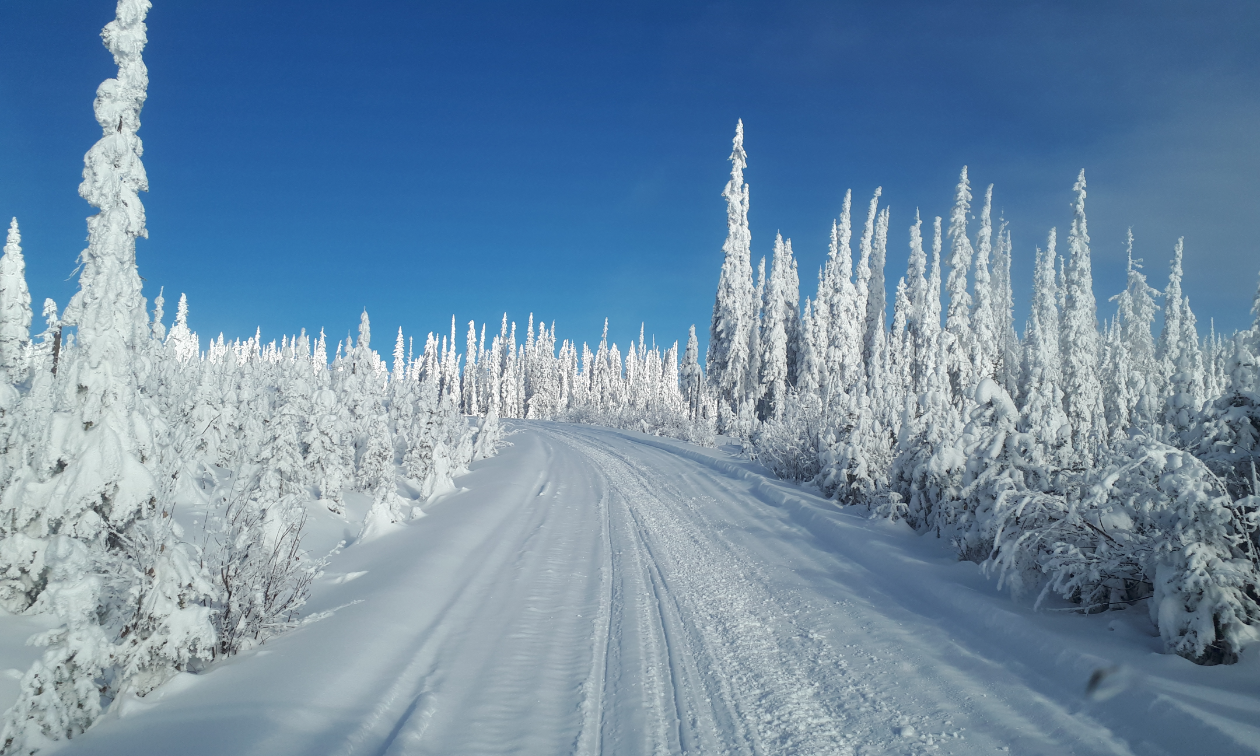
309,159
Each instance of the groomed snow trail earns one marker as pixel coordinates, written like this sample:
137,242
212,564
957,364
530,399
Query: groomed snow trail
598,592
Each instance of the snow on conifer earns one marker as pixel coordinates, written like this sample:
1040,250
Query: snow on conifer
778,322
733,309
984,316
1010,351
844,373
15,306
1135,313
84,505
960,366
1181,360
1079,340
182,340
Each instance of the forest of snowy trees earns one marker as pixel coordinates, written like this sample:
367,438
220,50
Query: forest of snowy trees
1102,464
110,422
1096,462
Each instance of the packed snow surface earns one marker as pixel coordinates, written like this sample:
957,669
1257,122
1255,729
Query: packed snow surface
596,591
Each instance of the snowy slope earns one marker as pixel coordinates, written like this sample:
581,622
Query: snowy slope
596,591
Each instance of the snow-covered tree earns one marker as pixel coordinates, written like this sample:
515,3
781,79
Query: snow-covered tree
15,307
960,366
1041,414
778,322
985,327
1135,312
181,339
1079,340
844,374
82,505
1181,361
1010,352
863,281
728,358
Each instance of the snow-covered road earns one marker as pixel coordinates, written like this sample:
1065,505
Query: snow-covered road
594,591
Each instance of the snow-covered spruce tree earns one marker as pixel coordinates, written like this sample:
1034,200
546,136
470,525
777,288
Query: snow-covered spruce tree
1011,352
923,321
15,328
427,461
901,345
692,378
844,374
959,366
1215,356
181,339
469,384
1181,362
85,506
933,304
855,453
998,459
809,363
755,389
869,277
727,359
780,314
984,316
15,308
328,446
1041,413
1118,397
1079,342
1135,312
885,392
928,470
285,472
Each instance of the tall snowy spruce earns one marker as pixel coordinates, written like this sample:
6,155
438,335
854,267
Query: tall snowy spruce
1079,341
15,307
961,346
778,331
985,353
734,308
1042,415
1135,313
88,529
1181,361
844,374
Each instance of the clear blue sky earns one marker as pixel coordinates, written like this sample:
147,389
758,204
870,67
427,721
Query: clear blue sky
309,159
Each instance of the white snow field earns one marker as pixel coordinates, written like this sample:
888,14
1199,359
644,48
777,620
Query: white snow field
596,591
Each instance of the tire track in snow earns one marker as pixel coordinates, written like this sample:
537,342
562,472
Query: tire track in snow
888,680
753,691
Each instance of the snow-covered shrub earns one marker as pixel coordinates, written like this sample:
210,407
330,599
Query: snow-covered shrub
788,446
855,456
1154,523
489,436
927,473
998,457
253,552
